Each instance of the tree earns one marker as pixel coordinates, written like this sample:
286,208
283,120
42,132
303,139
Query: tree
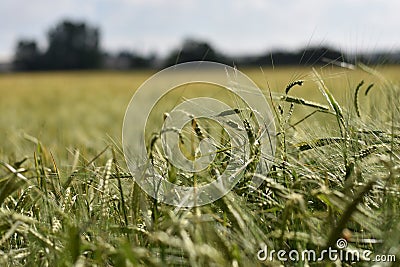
27,56
135,60
193,50
73,45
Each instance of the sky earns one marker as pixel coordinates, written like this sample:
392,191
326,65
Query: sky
234,27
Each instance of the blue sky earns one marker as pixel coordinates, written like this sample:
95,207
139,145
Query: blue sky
232,26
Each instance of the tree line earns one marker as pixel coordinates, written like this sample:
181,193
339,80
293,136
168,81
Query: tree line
76,45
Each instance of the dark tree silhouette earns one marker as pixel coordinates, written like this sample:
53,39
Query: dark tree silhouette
193,50
73,45
307,57
134,60
76,45
27,56
127,60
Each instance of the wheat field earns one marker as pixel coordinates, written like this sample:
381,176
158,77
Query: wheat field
68,110
66,198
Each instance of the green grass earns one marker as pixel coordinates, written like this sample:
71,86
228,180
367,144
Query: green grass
70,203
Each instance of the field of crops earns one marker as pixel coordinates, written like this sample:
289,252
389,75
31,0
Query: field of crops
68,110
65,197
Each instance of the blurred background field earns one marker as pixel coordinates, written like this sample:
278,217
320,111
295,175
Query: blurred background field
85,109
